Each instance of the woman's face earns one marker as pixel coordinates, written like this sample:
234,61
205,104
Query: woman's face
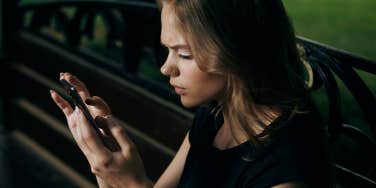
194,86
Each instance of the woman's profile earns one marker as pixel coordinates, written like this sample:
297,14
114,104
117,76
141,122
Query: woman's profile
256,126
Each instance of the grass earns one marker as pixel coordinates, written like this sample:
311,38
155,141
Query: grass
348,25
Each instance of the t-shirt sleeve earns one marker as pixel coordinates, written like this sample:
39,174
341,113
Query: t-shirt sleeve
295,162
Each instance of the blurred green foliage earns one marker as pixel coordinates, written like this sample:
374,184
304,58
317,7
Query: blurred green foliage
348,25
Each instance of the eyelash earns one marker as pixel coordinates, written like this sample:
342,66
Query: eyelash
187,57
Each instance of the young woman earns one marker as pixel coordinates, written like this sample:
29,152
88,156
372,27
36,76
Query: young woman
256,128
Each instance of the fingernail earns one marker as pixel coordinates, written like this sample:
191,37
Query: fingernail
61,74
52,91
99,119
109,120
89,101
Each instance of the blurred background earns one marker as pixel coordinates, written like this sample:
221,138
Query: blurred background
347,25
114,46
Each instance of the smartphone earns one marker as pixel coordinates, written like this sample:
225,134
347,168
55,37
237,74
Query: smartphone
77,101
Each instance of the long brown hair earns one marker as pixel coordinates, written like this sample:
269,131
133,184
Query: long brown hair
252,43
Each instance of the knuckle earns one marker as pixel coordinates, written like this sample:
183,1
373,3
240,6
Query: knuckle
95,170
124,161
101,164
105,162
119,130
129,149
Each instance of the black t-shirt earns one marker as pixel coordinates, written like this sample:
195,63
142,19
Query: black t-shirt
296,152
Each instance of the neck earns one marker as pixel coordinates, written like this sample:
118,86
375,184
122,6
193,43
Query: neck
232,134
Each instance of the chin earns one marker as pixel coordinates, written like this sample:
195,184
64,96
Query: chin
189,103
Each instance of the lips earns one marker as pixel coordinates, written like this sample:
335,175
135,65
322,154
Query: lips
179,90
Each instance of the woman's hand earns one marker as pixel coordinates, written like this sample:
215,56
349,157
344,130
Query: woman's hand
122,168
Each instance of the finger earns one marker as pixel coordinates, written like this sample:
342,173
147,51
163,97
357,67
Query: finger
91,138
61,102
108,138
119,134
102,124
95,101
101,108
73,124
78,84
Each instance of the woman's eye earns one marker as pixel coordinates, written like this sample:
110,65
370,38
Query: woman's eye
186,56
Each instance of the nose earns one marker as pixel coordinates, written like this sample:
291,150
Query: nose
169,68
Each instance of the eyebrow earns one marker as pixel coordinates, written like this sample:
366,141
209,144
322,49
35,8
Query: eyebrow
176,46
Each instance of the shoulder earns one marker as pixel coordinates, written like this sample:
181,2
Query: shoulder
297,153
302,143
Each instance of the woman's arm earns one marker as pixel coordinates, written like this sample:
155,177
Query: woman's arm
172,174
